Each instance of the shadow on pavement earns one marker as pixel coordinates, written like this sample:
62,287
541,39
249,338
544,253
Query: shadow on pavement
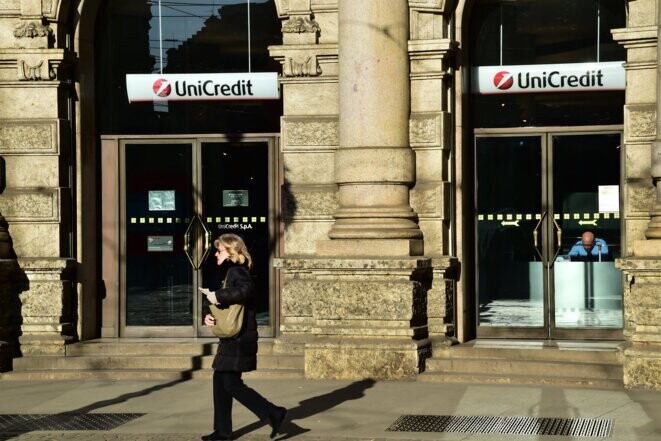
312,406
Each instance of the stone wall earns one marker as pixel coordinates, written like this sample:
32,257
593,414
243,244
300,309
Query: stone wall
35,146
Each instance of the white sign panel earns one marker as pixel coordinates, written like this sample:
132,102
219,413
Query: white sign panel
188,87
609,199
548,78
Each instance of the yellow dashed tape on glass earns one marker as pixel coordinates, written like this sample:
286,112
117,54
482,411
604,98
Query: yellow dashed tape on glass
168,220
209,220
253,219
177,220
227,219
159,220
134,220
151,220
219,219
142,220
244,219
262,219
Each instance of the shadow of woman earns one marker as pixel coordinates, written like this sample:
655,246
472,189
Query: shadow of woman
313,406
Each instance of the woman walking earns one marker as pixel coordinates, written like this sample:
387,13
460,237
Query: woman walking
237,354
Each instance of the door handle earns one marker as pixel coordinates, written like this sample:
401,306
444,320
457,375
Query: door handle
558,235
207,240
535,235
187,243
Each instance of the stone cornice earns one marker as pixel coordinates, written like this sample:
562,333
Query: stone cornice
642,36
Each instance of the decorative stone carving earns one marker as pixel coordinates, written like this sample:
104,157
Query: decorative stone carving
34,35
27,72
32,29
296,67
299,25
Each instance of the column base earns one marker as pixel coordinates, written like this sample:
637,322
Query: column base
365,358
642,367
647,248
370,247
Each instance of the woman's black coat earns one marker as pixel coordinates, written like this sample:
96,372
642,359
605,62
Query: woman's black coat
238,354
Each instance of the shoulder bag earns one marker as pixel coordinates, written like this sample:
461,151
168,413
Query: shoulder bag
228,320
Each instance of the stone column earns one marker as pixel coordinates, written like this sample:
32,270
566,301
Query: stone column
653,231
374,165
642,267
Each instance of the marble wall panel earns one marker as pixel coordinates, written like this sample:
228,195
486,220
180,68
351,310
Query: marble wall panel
638,161
298,95
30,205
32,171
310,168
35,240
301,237
34,101
29,137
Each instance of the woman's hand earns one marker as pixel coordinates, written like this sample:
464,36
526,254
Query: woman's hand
211,296
209,320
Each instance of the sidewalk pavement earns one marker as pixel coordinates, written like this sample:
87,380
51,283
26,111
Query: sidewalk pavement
321,410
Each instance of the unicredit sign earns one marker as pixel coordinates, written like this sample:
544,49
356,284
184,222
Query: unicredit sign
187,87
549,78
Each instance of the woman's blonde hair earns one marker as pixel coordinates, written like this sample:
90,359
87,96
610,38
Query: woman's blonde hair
236,248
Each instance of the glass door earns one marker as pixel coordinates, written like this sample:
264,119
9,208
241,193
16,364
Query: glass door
179,196
537,195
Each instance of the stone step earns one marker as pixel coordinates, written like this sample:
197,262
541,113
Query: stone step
531,354
140,374
142,359
200,346
521,380
525,367
149,362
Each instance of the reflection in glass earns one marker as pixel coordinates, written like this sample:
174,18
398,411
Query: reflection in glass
204,36
227,167
159,278
510,281
588,287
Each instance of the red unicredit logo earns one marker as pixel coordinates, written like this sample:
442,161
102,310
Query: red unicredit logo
503,80
162,87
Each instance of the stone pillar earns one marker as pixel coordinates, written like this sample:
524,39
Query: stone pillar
642,314
368,316
374,165
653,231
642,198
48,308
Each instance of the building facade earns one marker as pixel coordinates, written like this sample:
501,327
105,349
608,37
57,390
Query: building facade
425,177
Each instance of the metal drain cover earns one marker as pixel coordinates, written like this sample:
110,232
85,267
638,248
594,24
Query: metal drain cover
588,427
65,421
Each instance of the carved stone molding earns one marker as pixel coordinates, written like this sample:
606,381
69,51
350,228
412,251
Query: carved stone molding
432,5
301,67
24,137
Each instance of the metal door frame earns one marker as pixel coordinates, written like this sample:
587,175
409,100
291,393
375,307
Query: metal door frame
113,230
548,330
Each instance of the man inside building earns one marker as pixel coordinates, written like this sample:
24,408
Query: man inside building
589,249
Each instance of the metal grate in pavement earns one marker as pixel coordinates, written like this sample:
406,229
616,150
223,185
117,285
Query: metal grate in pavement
588,427
65,421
